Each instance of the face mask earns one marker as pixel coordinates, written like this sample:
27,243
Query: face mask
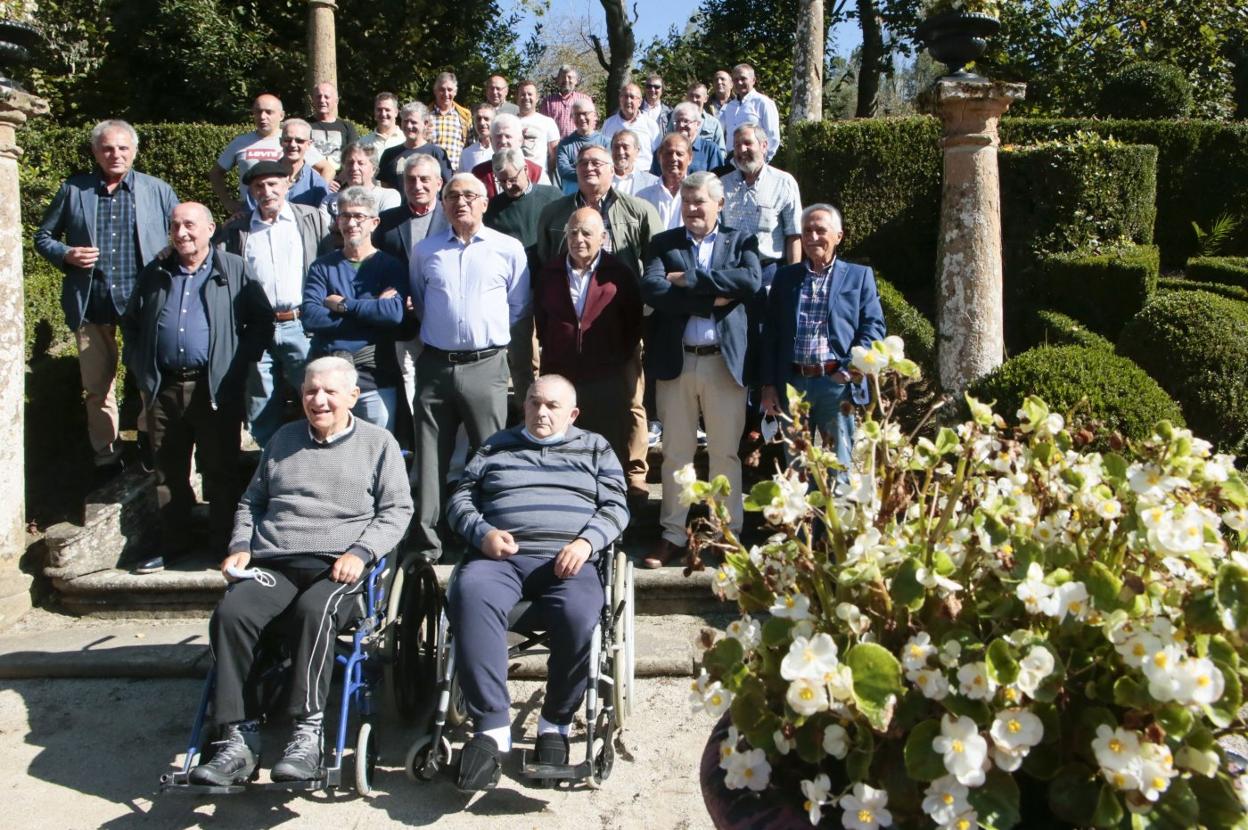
545,442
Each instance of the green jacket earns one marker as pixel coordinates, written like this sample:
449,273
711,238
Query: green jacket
630,221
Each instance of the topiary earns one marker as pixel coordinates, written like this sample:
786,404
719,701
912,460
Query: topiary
1053,328
907,322
1118,393
1196,345
1146,89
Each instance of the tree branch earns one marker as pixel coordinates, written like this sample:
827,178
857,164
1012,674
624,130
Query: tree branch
602,57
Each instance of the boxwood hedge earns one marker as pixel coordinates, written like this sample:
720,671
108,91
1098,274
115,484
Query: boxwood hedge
1101,290
1053,328
1228,270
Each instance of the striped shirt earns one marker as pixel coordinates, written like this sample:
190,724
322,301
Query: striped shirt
545,496
810,345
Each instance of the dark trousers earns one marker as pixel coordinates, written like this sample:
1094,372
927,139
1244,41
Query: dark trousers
605,404
448,395
483,593
319,609
180,420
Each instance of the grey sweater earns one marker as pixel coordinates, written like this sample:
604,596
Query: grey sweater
308,498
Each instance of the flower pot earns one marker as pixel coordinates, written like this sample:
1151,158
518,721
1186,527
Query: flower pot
743,809
17,43
957,38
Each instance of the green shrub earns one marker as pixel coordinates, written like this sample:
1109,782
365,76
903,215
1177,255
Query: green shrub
1052,328
1118,393
1234,292
1146,89
908,323
1196,346
1228,270
1101,290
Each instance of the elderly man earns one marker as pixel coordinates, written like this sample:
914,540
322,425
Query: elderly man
585,114
763,201
261,144
469,287
700,280
481,149
359,169
329,498
195,323
817,311
674,155
652,106
710,129
560,106
413,119
307,186
630,117
279,241
496,96
536,505
722,82
101,228
705,154
505,134
329,133
386,133
628,178
353,303
451,123
587,308
749,106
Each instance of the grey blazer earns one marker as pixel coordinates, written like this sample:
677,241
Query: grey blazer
313,227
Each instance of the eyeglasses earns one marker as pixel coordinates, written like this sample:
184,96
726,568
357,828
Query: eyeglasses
290,139
468,198
654,86
357,218
597,163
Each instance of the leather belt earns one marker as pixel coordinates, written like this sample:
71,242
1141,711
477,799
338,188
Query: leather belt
464,357
817,370
702,350
287,315
182,375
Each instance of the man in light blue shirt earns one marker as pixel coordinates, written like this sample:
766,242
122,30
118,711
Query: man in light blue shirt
470,285
749,106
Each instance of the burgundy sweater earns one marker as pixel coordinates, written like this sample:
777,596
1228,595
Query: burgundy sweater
606,336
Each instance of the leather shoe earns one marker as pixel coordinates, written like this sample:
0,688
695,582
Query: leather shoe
664,553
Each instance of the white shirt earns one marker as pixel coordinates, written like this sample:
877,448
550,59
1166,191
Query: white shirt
700,331
382,142
275,252
543,130
665,203
634,182
647,131
770,209
578,284
754,108
472,155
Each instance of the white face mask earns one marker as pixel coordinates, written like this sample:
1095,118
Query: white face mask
770,429
547,441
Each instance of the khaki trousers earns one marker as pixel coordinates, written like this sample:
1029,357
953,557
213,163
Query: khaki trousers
97,365
705,387
636,465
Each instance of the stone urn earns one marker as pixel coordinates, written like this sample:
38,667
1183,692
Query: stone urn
956,38
18,41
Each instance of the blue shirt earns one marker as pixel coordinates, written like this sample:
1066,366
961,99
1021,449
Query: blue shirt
118,266
565,157
811,345
182,335
309,189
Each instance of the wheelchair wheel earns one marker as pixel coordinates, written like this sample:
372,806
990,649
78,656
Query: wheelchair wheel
457,712
424,760
412,643
622,638
603,757
365,759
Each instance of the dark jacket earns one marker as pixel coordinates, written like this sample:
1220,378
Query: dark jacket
69,222
734,274
240,323
314,230
394,233
855,318
605,338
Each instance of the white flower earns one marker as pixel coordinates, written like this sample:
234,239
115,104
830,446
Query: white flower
932,683
854,619
1014,729
789,504
868,361
968,820
816,793
916,651
963,749
724,582
1070,598
715,700
813,659
697,690
866,809
806,696
974,682
728,746
1161,669
928,578
1138,648
748,770
945,799
895,348
1109,509
1033,669
783,744
746,631
1236,519
1116,750
685,478
1156,770
1200,681
835,740
1033,591
791,607
841,683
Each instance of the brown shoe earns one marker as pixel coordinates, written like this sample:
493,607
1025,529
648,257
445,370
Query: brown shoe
664,553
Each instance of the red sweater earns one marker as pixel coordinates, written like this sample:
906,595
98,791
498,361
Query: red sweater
606,335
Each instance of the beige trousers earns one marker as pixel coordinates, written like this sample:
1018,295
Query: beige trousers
97,365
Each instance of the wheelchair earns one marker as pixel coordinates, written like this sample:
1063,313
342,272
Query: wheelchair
371,653
608,696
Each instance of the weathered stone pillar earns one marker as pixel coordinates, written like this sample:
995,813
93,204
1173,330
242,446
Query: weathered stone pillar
969,326
322,43
15,107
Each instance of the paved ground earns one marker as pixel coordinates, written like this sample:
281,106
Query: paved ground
89,753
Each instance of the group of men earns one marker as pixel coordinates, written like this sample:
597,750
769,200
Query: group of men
399,284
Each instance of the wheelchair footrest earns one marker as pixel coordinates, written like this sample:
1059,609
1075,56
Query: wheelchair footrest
178,783
529,768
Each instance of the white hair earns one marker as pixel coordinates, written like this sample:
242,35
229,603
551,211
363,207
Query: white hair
330,365
98,131
703,180
823,207
475,185
357,196
508,157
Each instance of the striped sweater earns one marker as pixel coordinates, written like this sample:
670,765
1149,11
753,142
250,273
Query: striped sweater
544,495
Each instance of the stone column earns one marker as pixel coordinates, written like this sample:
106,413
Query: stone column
15,107
970,334
322,43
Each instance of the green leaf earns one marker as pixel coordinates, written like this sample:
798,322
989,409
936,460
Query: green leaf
946,441
1115,465
1073,795
776,631
1225,709
1002,665
858,761
761,495
1201,613
922,762
1176,720
750,713
907,590
1219,805
809,741
1221,650
996,801
1231,586
1129,693
1103,585
976,710
1235,490
942,563
877,682
721,658
1177,809
1042,762
1108,808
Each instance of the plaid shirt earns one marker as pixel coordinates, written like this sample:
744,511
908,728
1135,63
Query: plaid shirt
450,132
811,346
116,236
770,209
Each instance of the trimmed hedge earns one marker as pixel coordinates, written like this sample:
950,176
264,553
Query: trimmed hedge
1146,89
1119,394
1102,290
908,323
1196,346
1234,292
1052,328
1228,270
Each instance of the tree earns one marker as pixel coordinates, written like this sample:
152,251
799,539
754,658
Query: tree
808,63
620,43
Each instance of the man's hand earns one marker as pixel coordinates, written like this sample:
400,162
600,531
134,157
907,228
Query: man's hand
568,562
82,257
770,401
334,185
499,544
238,559
335,302
347,568
723,301
841,377
676,278
388,293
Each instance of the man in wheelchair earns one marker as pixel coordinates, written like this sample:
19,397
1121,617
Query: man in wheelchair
329,498
535,504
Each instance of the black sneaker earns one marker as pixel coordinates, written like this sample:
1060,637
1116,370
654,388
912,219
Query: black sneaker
552,749
232,763
480,764
301,760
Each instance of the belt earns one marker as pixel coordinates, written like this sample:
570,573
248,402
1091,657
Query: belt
183,375
287,315
702,350
464,357
817,370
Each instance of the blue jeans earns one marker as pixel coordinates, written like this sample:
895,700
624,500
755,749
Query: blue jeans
280,367
827,415
377,406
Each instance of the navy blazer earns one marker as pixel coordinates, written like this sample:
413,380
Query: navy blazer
735,274
855,318
70,223
394,232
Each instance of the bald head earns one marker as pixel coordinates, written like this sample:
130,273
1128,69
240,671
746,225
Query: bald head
267,114
586,235
550,406
190,230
